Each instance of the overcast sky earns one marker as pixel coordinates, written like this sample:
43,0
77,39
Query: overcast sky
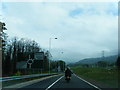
83,29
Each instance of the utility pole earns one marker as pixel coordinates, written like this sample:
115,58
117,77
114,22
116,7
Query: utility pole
103,55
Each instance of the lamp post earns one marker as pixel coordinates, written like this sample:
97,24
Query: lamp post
50,50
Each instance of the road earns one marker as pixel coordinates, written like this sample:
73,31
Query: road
58,82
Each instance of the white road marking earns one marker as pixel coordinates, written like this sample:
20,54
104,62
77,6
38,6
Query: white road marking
54,83
24,84
88,82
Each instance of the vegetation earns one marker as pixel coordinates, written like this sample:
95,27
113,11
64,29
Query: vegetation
20,49
17,50
18,81
56,64
100,74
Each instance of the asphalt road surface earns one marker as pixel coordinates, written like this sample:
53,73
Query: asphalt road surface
58,82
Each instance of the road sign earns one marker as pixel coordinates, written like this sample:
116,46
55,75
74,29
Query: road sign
39,56
30,61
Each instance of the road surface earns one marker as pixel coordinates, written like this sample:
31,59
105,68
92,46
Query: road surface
58,82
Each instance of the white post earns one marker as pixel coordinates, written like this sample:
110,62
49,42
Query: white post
30,65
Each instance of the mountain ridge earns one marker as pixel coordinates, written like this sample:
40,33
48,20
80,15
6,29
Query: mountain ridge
109,59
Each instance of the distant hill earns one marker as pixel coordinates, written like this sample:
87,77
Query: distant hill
109,59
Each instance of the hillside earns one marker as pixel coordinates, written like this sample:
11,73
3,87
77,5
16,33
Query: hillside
109,59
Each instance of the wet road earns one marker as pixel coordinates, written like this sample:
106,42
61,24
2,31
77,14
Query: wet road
58,82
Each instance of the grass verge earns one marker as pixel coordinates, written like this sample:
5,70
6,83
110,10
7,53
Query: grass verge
13,82
102,75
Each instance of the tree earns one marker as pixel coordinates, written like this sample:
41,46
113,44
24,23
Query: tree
2,26
3,35
46,61
16,50
61,63
3,43
85,65
118,63
102,63
14,44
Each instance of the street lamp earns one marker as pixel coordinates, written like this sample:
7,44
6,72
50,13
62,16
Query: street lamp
50,50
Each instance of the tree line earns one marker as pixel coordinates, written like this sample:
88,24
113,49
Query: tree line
20,49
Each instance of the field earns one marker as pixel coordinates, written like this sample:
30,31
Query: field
102,75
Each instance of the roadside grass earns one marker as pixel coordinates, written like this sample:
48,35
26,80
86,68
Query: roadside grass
13,82
19,73
105,76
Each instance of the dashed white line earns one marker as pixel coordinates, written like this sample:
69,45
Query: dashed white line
54,83
88,82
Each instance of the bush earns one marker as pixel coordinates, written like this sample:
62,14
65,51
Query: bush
18,73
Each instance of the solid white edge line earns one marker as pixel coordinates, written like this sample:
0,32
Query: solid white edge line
54,83
87,82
